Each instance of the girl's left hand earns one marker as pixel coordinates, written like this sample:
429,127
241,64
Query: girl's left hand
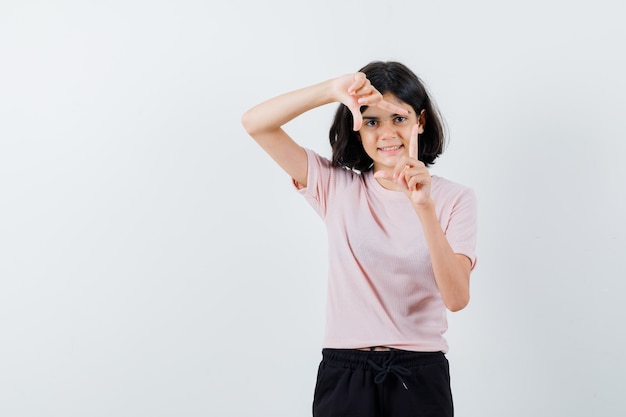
411,175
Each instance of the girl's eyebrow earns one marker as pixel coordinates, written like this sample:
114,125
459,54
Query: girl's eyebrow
390,116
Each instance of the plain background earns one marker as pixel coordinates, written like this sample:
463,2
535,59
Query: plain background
155,262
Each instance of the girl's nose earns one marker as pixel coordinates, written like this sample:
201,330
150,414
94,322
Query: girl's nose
387,130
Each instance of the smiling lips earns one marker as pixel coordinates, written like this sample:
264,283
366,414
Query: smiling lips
390,149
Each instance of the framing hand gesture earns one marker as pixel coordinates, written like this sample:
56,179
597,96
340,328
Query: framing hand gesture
410,174
355,91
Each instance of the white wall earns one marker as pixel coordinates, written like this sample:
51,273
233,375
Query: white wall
154,262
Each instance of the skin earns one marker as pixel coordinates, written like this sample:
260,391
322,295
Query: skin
387,122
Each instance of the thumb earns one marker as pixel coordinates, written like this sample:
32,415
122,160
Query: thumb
357,117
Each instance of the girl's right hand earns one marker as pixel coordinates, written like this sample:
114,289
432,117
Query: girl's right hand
355,91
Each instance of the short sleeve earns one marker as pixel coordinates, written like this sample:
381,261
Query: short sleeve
319,178
462,227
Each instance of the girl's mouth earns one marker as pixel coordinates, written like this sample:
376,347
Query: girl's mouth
391,149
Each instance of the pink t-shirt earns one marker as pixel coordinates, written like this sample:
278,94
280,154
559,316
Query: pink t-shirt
381,286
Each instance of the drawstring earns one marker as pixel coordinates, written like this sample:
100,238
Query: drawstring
387,368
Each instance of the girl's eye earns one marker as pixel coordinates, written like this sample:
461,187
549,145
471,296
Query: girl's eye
400,119
371,123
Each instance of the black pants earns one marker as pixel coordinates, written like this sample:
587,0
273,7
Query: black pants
396,383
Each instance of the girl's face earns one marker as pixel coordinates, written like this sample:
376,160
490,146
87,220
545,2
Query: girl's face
385,136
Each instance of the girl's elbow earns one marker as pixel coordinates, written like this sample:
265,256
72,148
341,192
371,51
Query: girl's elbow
247,122
458,303
254,127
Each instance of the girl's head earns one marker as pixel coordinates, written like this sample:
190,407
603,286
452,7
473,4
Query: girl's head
388,78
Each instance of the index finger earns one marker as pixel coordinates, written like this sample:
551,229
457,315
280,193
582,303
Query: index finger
385,105
413,146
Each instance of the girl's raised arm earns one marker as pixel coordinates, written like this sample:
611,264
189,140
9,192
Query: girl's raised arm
264,121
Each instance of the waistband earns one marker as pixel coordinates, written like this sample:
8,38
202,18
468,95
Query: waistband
362,359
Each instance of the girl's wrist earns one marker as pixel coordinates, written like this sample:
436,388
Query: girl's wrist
424,208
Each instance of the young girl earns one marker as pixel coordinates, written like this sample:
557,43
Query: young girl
401,242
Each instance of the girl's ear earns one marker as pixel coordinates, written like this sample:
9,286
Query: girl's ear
421,120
